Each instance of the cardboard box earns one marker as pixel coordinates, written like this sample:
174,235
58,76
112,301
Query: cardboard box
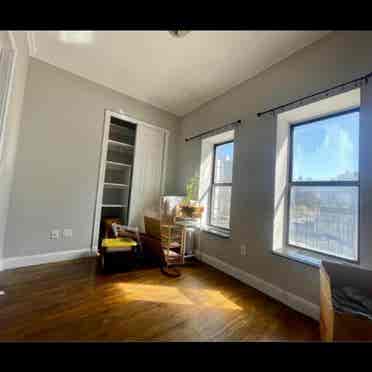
336,326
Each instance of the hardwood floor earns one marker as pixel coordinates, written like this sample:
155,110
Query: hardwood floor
73,301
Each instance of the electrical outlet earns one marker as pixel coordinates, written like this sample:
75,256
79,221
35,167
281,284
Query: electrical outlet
243,250
54,234
67,233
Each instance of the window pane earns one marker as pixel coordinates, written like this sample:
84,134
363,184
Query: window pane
220,211
324,219
223,163
327,149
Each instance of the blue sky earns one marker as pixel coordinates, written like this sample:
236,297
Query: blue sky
225,151
327,148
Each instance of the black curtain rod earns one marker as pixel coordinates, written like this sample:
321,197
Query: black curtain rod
365,77
212,130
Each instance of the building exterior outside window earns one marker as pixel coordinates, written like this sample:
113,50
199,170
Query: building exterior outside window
221,185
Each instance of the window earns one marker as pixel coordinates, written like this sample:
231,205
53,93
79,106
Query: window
323,192
220,196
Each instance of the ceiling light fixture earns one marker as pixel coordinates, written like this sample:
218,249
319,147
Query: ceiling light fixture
178,34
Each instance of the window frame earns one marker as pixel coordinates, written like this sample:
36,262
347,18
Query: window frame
214,184
291,184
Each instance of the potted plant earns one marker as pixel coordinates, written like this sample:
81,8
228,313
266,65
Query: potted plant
189,205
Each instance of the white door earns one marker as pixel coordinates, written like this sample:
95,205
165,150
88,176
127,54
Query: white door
147,174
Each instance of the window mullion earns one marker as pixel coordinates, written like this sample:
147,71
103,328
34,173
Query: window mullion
324,183
222,184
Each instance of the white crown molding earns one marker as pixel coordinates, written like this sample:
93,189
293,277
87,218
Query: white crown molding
31,42
14,262
295,302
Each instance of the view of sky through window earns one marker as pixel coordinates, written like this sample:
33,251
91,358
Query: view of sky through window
327,150
223,163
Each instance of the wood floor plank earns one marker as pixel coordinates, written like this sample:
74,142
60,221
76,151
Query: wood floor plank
73,301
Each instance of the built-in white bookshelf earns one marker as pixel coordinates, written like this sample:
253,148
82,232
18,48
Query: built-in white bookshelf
118,169
126,188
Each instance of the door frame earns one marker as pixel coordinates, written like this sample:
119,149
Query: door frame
108,113
4,125
11,78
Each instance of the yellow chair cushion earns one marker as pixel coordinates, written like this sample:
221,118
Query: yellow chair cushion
118,243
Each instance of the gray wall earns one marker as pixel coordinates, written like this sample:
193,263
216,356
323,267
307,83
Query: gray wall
58,158
339,57
13,120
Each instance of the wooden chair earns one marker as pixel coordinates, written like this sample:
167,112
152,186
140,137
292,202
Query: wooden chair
118,238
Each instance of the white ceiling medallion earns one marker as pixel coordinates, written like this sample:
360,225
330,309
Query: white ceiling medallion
179,33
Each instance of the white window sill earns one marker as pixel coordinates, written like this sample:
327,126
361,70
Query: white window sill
298,255
217,232
307,257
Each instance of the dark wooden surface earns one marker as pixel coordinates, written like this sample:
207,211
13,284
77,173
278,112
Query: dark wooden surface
72,300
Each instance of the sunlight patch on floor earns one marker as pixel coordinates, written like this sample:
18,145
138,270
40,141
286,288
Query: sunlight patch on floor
214,298
172,295
153,293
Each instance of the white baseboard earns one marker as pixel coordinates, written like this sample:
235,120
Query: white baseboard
14,262
295,302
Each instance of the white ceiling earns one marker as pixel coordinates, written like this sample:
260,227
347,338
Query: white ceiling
175,74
